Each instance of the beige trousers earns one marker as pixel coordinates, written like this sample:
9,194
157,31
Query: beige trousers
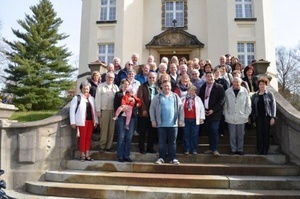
107,126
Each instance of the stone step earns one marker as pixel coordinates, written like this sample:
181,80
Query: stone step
76,190
203,139
199,158
21,194
175,180
185,168
222,148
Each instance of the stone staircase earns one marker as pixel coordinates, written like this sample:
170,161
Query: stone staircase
198,176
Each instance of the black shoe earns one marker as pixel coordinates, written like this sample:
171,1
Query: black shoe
241,153
142,151
232,153
110,150
101,150
127,160
120,160
151,151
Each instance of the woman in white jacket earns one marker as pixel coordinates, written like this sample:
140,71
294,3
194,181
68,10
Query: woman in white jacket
194,115
83,116
237,109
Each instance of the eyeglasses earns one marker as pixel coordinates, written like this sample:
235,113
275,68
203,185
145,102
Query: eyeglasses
194,74
151,77
110,77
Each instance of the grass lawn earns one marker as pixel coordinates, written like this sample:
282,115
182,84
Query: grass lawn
30,116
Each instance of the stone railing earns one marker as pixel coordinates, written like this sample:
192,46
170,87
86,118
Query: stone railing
286,132
29,149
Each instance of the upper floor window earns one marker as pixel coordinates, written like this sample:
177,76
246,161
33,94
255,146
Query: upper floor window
106,52
243,8
246,53
174,12
108,10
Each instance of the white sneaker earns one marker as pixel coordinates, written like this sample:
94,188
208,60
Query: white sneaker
175,161
216,153
135,133
160,161
115,118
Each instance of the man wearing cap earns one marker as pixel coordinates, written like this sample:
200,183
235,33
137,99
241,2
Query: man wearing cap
123,73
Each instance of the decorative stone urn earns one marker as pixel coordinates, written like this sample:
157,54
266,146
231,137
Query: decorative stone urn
98,66
261,66
6,110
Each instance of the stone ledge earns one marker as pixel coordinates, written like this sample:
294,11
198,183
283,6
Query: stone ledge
6,110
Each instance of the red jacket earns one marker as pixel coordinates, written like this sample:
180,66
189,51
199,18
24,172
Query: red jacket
126,100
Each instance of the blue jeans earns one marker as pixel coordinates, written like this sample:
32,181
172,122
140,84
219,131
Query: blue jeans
164,134
124,137
213,134
191,133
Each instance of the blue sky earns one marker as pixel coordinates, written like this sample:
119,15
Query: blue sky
286,17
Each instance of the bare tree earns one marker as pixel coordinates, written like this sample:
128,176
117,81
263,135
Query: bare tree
288,67
288,70
3,60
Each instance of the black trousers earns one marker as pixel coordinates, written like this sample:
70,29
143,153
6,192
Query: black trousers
262,133
144,127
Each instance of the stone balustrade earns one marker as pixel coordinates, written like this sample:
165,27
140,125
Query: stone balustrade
29,149
287,128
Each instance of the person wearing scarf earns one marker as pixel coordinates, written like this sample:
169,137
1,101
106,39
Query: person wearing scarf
181,90
194,115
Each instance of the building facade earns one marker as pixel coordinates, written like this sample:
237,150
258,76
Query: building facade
203,29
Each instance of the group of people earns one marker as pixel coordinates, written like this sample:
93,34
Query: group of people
171,101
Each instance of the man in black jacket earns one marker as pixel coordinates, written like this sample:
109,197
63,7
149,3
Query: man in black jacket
212,95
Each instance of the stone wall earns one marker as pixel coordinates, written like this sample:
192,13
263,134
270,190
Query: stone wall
287,128
29,149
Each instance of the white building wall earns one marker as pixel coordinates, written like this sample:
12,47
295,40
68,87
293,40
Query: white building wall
211,21
88,35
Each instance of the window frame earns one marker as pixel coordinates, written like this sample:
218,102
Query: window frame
244,16
107,7
243,56
106,54
165,12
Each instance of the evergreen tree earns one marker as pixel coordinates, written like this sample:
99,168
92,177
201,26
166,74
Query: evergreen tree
38,71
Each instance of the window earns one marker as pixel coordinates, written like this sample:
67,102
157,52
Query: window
106,52
245,53
108,10
243,8
174,9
